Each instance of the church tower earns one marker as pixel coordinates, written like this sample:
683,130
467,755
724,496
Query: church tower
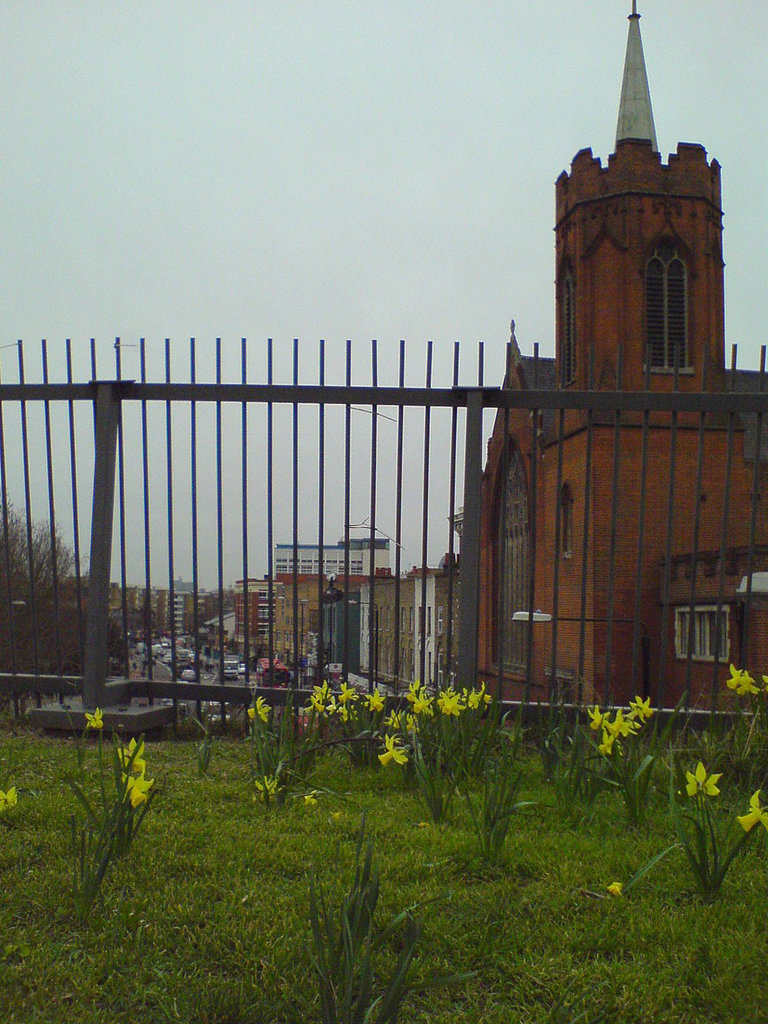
639,266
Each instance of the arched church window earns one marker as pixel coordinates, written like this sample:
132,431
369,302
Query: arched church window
513,559
568,347
666,308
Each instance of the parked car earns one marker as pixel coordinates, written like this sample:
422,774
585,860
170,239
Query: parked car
230,668
188,675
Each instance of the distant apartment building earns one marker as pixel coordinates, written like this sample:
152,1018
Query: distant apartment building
333,560
410,635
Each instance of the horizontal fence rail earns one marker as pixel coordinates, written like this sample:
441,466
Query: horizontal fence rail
553,544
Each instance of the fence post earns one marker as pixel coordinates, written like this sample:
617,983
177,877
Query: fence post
469,566
96,630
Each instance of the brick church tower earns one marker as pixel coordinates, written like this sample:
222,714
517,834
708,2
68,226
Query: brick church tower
624,531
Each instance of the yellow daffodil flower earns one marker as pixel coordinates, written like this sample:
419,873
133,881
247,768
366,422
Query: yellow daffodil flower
311,797
756,813
267,787
124,754
337,815
392,752
700,782
137,788
741,681
615,888
95,720
412,722
414,689
393,720
765,683
260,708
7,799
347,693
422,705
606,747
620,726
473,698
450,702
374,701
343,712
596,717
641,709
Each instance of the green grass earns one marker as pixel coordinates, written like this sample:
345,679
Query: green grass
206,919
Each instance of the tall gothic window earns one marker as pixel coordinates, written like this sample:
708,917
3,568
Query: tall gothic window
568,347
566,521
666,308
513,560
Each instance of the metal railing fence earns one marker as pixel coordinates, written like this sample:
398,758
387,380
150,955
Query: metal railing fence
205,477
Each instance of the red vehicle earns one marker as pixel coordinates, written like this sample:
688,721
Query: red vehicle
280,673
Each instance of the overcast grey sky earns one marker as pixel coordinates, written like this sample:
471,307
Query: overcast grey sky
340,169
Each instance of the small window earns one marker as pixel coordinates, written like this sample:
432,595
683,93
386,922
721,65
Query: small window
704,637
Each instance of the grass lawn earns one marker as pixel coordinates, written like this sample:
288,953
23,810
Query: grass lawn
206,919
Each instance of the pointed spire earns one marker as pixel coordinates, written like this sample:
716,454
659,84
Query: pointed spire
635,113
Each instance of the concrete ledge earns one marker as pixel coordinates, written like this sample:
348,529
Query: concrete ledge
125,719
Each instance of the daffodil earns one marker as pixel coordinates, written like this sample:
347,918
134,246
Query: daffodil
596,718
347,693
7,799
620,726
422,705
606,747
701,783
394,720
392,752
260,708
133,754
615,888
311,797
414,689
450,702
374,701
137,788
756,813
267,787
412,722
95,720
741,681
640,709
319,698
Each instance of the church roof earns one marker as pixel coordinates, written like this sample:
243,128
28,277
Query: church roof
635,112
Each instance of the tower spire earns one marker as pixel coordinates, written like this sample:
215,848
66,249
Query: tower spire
635,112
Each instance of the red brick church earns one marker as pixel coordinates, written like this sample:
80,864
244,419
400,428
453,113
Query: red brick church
593,521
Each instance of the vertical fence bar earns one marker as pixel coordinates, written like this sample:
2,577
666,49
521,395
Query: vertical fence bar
171,605
668,544
753,515
372,667
75,512
220,532
121,518
148,613
244,512
425,526
271,533
554,690
347,507
399,518
321,521
7,559
470,539
614,526
194,518
639,632
533,512
452,521
585,531
723,536
295,509
54,540
695,541
31,609
97,623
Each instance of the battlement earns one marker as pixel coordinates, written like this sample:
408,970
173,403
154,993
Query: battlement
635,169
